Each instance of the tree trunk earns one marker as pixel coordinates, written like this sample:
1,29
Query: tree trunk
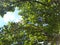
58,39
57,42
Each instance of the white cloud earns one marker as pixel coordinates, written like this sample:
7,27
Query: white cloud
11,17
8,17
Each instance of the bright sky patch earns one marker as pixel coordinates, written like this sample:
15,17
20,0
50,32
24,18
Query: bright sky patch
10,17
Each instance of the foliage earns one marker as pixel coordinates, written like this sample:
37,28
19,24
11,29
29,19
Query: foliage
41,21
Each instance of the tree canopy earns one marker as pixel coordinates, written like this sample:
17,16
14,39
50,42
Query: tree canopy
41,21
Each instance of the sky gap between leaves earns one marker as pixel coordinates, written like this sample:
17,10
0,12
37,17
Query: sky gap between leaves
10,17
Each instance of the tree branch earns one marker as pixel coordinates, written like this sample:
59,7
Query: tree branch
32,1
40,3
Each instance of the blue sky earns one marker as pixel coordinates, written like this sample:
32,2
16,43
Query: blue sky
10,17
